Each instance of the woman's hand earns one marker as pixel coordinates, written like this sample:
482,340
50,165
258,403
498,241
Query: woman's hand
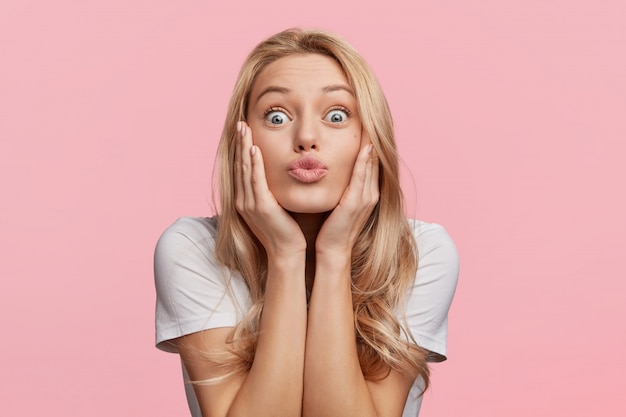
340,231
272,225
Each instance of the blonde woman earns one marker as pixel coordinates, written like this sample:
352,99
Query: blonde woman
310,294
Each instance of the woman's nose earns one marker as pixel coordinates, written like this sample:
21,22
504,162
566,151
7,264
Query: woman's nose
306,135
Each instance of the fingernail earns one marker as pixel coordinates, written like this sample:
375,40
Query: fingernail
238,127
369,148
252,150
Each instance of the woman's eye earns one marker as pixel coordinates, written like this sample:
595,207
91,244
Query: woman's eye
336,116
276,117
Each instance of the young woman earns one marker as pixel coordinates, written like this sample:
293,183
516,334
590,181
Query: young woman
310,294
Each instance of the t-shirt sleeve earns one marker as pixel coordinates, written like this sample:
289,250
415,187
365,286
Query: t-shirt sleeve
194,292
429,300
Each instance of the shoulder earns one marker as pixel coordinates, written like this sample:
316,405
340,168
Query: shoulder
433,289
194,291
188,245
434,244
192,230
187,237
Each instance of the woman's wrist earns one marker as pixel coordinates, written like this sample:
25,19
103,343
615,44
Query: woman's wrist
334,256
289,252
332,263
286,263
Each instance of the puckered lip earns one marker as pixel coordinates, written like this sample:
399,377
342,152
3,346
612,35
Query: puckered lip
308,169
307,162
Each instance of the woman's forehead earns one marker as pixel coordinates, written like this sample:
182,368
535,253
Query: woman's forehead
297,71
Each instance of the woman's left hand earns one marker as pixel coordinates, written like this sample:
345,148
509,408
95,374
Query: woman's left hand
341,229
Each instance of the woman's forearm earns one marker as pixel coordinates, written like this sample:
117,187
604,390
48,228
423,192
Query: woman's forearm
333,382
274,383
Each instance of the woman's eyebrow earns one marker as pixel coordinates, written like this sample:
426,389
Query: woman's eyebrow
273,89
284,90
337,87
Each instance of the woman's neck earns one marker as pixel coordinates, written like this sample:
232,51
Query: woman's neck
310,224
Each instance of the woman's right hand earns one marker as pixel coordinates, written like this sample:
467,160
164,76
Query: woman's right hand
277,231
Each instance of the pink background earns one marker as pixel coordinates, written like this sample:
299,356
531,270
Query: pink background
510,114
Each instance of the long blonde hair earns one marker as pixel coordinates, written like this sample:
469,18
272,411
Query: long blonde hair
384,258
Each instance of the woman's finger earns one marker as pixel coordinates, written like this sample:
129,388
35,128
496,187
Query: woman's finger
368,174
260,188
246,165
237,170
372,181
359,174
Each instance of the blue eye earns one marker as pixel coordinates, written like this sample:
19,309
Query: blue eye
276,117
336,116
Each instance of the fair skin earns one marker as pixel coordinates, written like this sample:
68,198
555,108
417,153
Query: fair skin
306,364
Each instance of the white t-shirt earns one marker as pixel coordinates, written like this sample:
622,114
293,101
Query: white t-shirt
195,292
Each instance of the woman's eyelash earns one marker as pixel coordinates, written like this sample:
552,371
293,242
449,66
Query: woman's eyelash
343,109
271,109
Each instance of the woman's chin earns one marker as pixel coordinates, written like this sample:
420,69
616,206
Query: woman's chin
308,208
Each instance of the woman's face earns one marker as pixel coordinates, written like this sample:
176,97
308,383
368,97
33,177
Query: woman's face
304,118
